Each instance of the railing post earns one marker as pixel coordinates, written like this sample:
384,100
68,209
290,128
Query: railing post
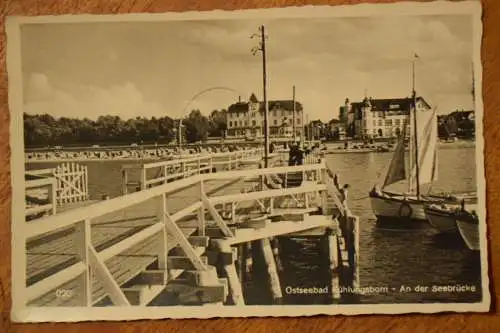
199,165
165,175
161,211
53,196
82,239
143,178
324,198
124,181
183,168
201,212
86,181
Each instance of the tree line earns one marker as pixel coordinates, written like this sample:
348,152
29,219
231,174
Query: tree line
43,130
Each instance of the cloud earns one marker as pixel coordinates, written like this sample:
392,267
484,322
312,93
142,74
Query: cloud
326,59
79,101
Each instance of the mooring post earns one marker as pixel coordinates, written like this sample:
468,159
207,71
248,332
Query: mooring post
333,257
227,259
276,252
248,261
355,230
271,270
241,262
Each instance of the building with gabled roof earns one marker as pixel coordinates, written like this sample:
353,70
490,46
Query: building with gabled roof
246,119
378,118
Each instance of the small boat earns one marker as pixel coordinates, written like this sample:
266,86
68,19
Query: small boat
441,217
468,225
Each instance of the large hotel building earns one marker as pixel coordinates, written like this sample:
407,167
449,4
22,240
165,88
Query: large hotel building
378,118
246,119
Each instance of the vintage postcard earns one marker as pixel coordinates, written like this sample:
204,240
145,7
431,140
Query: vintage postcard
279,162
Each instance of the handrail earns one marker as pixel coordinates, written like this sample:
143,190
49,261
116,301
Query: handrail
67,218
192,158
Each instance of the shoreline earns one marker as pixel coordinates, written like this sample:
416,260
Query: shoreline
331,151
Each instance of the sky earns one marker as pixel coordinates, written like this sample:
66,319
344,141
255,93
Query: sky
150,69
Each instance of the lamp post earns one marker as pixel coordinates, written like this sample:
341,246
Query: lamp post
262,49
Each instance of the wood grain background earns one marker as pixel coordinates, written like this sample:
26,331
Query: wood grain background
406,323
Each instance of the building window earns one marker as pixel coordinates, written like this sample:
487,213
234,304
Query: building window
230,124
241,123
254,123
298,121
388,122
397,122
274,113
283,113
246,123
380,122
275,122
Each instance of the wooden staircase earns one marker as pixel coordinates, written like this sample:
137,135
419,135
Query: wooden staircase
180,283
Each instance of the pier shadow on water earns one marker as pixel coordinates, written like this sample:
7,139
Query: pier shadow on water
412,257
304,264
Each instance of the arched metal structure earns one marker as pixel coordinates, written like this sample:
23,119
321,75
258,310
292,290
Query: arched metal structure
179,130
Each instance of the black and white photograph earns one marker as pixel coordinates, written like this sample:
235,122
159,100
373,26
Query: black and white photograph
271,162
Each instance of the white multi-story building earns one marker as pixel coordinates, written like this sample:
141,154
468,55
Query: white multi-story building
246,119
379,118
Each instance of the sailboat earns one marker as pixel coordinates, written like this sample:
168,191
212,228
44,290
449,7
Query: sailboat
420,168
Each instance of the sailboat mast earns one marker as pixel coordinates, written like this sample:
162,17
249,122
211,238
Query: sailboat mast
414,97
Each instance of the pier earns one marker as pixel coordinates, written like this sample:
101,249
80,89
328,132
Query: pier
187,231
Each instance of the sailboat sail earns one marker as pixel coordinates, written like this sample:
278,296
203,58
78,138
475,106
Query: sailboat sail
397,168
427,137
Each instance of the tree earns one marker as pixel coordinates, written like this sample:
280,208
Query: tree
197,127
217,123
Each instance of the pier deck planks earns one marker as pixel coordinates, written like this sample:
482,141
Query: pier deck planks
51,253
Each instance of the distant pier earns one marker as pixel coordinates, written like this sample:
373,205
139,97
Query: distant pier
187,231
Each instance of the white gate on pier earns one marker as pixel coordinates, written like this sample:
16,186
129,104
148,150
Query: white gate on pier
71,181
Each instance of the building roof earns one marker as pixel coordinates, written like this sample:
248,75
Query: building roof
253,98
284,104
386,103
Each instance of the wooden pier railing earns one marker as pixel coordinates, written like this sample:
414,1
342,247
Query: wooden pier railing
156,253
145,175
36,206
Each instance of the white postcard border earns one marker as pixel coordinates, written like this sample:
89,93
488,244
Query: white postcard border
21,313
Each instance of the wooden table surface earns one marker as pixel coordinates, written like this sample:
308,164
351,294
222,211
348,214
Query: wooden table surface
406,323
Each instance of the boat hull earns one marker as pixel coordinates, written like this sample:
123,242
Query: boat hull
442,221
469,230
397,210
